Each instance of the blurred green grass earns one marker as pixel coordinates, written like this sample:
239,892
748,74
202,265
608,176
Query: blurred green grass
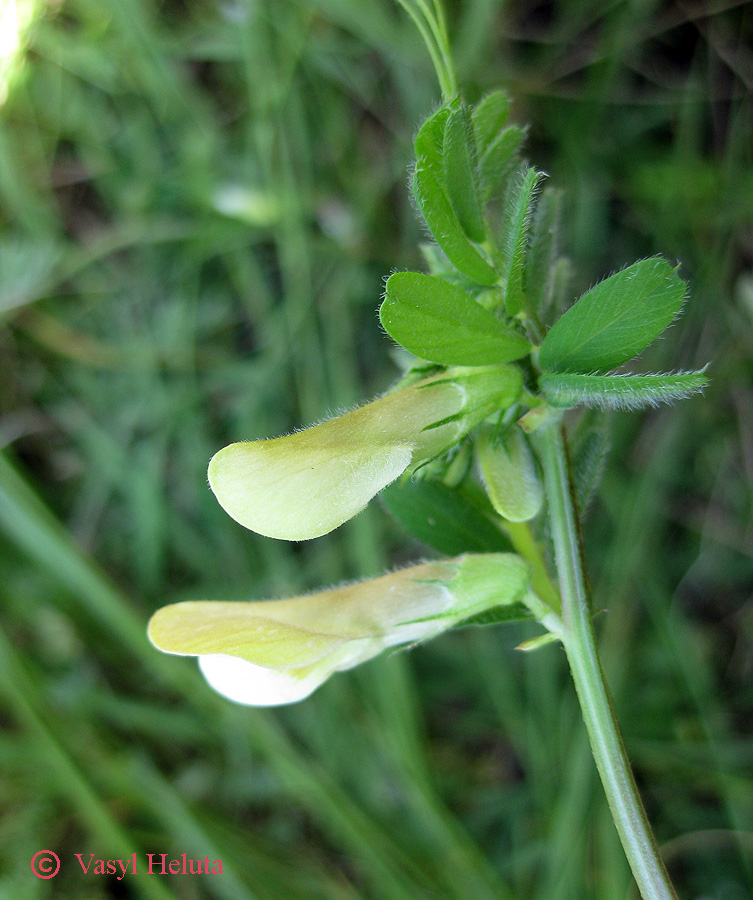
198,204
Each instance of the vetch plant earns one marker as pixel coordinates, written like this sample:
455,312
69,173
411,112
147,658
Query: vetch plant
470,446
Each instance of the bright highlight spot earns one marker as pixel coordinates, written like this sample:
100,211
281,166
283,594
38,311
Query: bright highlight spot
16,19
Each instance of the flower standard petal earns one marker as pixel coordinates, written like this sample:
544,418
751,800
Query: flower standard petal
306,484
292,487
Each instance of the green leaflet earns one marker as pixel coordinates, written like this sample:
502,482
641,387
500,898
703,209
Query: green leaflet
440,322
459,160
440,266
430,190
543,251
491,298
497,161
615,320
620,391
496,145
510,474
515,239
561,277
489,117
588,451
443,517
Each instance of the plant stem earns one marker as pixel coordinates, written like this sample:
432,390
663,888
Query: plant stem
580,645
438,28
434,34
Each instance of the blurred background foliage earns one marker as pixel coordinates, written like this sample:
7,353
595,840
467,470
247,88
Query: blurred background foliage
198,205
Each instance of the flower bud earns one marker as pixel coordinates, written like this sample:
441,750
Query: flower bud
306,484
279,651
510,474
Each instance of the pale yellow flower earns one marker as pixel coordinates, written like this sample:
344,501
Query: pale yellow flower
279,651
306,484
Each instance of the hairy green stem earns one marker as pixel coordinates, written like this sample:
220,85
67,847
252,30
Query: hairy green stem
580,645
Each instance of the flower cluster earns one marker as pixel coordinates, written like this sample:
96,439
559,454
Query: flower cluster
304,485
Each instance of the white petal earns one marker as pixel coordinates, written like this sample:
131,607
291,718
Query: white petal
252,685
